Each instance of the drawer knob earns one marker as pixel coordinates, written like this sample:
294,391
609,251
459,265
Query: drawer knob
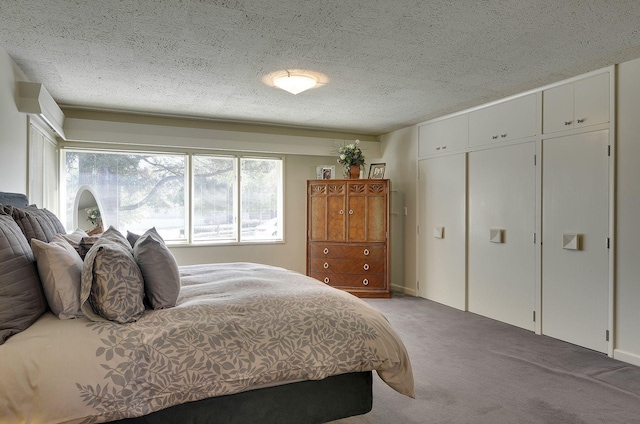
326,280
341,212
365,282
366,252
351,212
326,250
326,265
366,267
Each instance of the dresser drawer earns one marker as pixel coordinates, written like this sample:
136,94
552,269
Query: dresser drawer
348,266
352,281
325,250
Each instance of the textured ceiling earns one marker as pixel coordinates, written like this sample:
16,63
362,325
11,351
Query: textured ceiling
389,63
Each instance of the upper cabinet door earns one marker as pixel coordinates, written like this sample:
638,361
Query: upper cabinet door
592,101
510,120
326,209
444,136
579,104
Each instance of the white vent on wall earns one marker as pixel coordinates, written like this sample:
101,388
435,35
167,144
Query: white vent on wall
33,98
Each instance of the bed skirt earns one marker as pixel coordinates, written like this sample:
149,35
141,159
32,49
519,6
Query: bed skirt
335,397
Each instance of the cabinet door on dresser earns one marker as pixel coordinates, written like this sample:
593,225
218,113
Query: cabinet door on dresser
575,105
327,205
367,212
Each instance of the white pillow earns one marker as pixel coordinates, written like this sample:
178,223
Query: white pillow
60,269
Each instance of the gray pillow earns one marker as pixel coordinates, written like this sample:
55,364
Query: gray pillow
34,223
116,236
159,269
112,287
22,300
60,269
132,238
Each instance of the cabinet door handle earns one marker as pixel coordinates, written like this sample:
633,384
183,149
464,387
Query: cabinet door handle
495,137
366,252
567,122
366,267
444,147
326,250
580,121
326,265
503,135
326,280
341,212
365,282
351,212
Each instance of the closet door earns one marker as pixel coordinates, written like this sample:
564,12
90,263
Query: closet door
441,220
575,258
502,204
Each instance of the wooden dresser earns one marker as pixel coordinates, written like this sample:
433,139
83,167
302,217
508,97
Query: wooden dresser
348,235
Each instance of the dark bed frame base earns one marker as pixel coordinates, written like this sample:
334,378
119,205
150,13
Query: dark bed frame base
309,402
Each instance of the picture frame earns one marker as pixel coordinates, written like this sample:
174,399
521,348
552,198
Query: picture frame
376,171
325,172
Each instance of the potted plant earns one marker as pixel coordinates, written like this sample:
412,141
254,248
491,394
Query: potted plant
351,158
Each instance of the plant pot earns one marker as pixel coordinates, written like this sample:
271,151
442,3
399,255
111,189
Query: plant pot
354,171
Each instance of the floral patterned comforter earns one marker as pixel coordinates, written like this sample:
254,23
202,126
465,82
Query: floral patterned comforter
236,327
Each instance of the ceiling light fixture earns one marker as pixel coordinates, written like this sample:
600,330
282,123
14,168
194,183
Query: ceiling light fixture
295,83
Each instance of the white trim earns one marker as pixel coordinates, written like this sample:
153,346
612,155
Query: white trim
627,357
403,289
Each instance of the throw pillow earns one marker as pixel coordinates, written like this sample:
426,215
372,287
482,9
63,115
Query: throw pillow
60,269
22,300
112,287
116,236
35,223
159,269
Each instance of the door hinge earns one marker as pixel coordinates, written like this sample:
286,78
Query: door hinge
418,285
609,150
534,240
418,229
535,161
534,316
608,243
606,336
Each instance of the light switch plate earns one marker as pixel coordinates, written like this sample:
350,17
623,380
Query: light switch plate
438,232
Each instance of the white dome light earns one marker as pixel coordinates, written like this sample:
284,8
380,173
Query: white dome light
295,83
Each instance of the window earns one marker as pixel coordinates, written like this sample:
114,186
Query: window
230,198
137,191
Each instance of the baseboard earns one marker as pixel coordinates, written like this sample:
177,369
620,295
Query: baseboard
403,289
631,358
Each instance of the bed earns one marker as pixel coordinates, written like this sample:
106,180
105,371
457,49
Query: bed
244,343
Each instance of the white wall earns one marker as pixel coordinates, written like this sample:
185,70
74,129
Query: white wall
627,311
13,130
399,152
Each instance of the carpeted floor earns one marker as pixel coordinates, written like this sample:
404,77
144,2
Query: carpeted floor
471,369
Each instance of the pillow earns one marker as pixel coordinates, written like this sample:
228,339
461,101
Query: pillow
75,238
34,223
86,243
159,269
112,287
21,298
116,236
55,222
60,269
132,238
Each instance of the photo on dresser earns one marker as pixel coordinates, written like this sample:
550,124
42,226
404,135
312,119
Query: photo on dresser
376,171
325,172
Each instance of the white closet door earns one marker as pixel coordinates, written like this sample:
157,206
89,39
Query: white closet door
441,219
575,220
502,204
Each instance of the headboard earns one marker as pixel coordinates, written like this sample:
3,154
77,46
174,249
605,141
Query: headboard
13,199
